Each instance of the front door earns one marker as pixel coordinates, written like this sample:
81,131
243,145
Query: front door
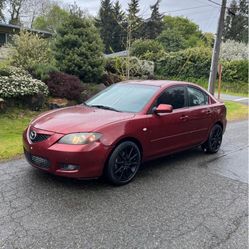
167,132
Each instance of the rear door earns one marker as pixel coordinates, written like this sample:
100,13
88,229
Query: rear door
200,115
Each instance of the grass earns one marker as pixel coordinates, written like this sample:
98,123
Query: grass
13,123
236,111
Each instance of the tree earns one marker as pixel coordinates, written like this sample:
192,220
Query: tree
31,9
179,33
154,26
172,40
29,50
52,19
134,21
147,49
15,10
79,49
236,23
118,42
2,4
105,23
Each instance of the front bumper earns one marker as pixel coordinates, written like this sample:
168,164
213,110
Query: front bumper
48,155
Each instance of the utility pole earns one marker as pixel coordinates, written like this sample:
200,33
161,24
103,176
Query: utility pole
216,49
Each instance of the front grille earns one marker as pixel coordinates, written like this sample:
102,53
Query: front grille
40,137
36,160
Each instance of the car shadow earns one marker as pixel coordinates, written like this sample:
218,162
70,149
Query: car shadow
146,171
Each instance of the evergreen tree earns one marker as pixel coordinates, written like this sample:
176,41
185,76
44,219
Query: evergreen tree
236,23
78,49
154,26
134,21
105,23
118,42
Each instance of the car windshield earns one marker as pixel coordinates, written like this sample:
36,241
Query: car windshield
123,97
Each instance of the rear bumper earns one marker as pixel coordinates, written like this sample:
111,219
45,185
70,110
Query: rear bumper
48,156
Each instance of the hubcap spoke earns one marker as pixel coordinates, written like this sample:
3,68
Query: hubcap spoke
216,138
126,163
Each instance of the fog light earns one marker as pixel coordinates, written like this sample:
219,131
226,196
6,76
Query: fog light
69,167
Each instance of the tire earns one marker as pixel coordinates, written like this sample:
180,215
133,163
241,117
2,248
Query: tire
212,145
123,163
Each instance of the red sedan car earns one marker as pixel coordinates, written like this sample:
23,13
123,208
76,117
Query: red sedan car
128,123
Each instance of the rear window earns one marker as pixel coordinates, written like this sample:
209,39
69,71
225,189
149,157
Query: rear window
196,97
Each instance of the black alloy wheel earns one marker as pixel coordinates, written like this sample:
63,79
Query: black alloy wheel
212,145
123,163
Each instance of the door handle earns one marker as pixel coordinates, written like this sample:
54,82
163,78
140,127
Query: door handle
207,111
184,117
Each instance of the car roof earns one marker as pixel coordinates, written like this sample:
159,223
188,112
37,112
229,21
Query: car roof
160,83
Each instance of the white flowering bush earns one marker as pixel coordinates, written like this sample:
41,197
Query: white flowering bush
16,82
233,51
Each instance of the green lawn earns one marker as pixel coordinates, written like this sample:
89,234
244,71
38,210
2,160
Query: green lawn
236,111
12,125
15,120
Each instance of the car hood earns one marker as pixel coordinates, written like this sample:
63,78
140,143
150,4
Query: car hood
77,119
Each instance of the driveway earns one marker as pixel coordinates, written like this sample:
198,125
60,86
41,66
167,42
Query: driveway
189,200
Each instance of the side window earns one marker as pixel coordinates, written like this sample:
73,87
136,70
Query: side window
196,97
174,96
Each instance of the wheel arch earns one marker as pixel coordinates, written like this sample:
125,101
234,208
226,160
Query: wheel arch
121,140
219,123
132,139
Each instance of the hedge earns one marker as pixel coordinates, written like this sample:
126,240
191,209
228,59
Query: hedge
195,63
192,62
234,71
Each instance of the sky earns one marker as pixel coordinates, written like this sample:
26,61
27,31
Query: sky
202,12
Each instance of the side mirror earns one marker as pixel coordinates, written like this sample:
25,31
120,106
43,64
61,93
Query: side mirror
162,108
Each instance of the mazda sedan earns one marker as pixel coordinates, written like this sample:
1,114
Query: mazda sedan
128,123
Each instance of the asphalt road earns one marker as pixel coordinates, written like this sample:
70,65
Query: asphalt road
189,200
239,99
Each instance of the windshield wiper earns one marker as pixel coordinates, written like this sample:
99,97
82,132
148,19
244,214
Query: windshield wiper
105,107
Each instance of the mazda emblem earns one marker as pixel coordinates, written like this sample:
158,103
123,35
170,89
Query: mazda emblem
32,135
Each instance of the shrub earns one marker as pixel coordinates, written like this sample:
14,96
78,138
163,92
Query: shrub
30,49
147,49
79,49
63,85
192,62
17,84
110,78
138,68
234,71
232,50
91,90
42,71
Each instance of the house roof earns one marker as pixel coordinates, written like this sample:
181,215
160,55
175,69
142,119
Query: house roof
117,54
11,27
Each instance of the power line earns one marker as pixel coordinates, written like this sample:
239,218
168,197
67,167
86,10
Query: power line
214,2
197,7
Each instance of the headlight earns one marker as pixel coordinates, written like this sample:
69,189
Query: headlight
80,138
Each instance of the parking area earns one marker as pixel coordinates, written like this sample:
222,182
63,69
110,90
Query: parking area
188,200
